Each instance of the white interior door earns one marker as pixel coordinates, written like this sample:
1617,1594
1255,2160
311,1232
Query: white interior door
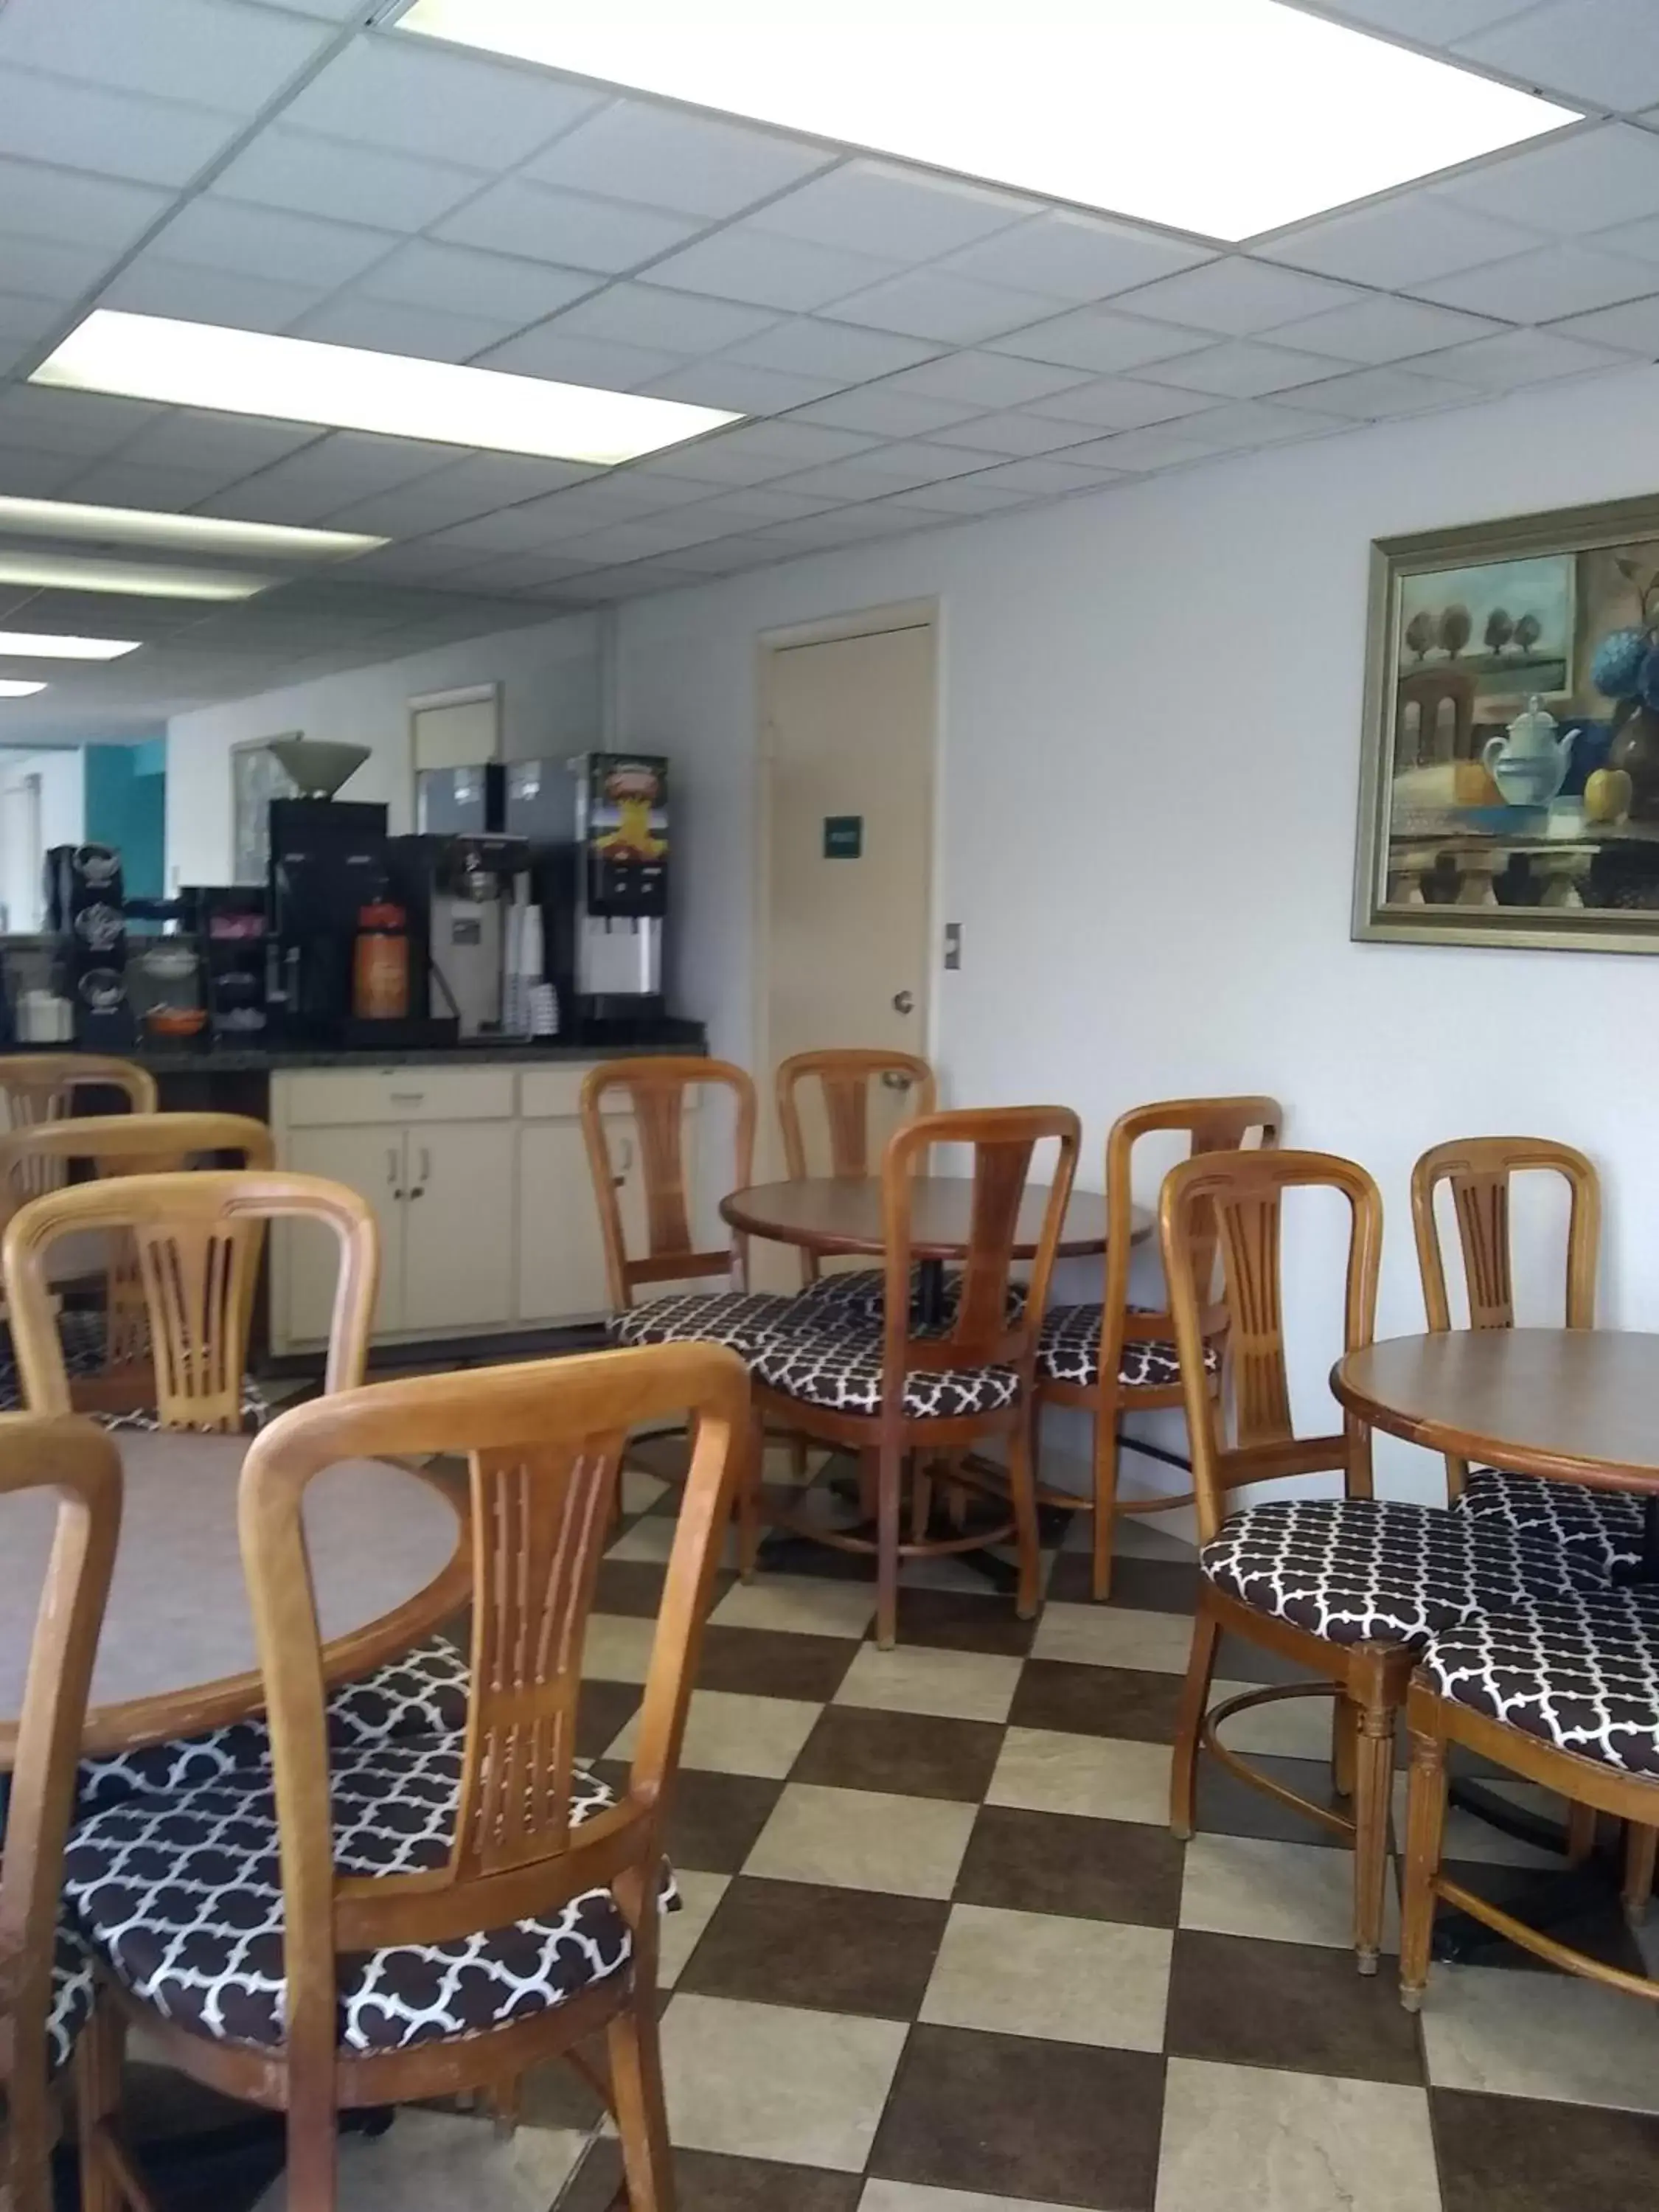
848,754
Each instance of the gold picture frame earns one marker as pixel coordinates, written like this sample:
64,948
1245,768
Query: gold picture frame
1507,795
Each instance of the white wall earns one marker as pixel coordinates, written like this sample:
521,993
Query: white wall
63,778
550,676
1151,707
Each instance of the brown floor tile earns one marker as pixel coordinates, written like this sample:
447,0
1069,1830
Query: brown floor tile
1002,2116
962,1620
713,1819
629,1586
1086,1869
1239,1660
704,2183
1584,1913
1228,1806
828,1950
1509,2154
1120,1701
908,1754
767,1664
604,1711
1297,2007
1146,1585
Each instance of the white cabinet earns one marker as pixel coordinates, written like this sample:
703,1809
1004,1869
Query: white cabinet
460,1227
561,1251
305,1256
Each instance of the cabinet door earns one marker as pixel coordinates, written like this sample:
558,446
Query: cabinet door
561,1252
460,1229
305,1256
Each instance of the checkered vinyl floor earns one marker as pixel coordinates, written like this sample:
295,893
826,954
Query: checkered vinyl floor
939,1952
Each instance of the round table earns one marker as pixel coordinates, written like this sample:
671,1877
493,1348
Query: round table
176,1656
1568,1405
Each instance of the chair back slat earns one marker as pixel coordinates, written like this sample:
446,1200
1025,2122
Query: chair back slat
38,1089
657,1090
199,1239
845,1078
1004,1141
544,1441
1480,1172
1243,1193
83,1466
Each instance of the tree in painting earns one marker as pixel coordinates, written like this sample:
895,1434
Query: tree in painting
1528,631
1420,634
1454,628
1499,631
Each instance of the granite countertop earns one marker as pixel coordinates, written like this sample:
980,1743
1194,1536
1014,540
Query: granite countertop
669,1037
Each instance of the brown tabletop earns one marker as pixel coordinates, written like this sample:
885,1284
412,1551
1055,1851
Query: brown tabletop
1574,1405
176,1654
843,1213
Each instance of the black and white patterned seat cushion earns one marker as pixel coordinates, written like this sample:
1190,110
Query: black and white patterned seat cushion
1580,1672
181,1897
1599,1525
1068,1351
423,1693
1362,1570
70,2007
257,1411
744,1320
860,1295
83,1337
841,1369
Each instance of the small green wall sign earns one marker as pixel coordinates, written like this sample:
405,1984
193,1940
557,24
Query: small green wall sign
843,836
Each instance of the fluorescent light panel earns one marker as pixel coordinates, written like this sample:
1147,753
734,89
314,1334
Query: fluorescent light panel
350,388
12,687
1227,117
28,645
194,533
73,572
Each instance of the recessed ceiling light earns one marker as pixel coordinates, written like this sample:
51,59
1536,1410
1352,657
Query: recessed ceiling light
75,572
12,688
199,533
28,645
350,388
1224,117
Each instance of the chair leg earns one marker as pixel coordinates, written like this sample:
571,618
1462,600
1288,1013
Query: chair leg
1105,1528
98,2059
798,1465
641,2115
505,2099
750,1478
1373,1796
1195,1700
1581,1833
1023,1495
921,1498
1641,1846
890,1476
1425,1827
869,1483
1344,1746
314,2159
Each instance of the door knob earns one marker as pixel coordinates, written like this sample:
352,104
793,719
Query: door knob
904,1002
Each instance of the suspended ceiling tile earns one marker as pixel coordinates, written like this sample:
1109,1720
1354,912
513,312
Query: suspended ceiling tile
1603,52
458,280
212,52
1632,328
765,271
570,229
950,310
152,285
1429,20
547,351
438,104
1367,395
887,413
71,421
1382,328
394,326
114,133
809,346
1013,434
308,174
740,387
33,265
1101,339
1539,287
985,379
64,209
875,207
1075,257
1587,182
675,322
1122,402
1239,369
1399,243
1238,297
1518,357
636,151
295,249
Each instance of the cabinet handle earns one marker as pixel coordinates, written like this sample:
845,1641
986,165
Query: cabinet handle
407,1097
392,1156
424,1175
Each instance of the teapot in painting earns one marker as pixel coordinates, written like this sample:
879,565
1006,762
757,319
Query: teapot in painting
1529,763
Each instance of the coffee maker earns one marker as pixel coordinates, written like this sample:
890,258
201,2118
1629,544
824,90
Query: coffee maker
481,891
608,888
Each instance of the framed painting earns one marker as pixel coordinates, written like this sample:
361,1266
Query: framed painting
1510,789
256,777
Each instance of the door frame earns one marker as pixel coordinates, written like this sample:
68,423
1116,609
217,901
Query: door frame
925,614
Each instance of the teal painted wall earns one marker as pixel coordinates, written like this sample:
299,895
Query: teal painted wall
126,806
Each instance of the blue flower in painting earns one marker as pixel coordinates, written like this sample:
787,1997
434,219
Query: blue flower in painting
1647,684
1620,663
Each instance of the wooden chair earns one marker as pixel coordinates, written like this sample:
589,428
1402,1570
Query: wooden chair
45,1976
890,1394
1114,1358
495,1848
1349,1587
42,1087
843,1079
197,1239
108,1352
1561,1691
657,1092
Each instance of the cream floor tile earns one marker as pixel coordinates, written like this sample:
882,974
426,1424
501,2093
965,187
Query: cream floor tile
651,1540
1470,1838
1115,1636
433,2161
804,1605
768,2081
971,1686
639,1492
1102,1777
1253,2140
728,1733
1040,1974
1282,1892
907,2197
1522,2034
863,1839
1290,1728
617,1648
681,1931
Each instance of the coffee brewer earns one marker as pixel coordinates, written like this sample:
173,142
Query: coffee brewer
608,889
